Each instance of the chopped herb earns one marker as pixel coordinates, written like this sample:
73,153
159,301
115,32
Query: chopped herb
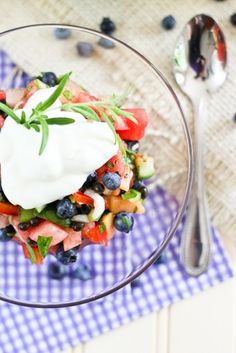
132,194
31,253
10,112
27,215
29,88
110,165
59,121
125,221
52,99
102,228
23,117
43,244
68,95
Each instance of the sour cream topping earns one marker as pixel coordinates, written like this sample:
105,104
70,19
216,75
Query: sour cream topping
73,152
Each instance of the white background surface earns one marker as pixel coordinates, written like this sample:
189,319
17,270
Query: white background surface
205,323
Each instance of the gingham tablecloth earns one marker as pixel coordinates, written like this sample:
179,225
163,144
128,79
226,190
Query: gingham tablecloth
26,330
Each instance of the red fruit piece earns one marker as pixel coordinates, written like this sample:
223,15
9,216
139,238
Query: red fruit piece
115,164
48,229
38,256
135,131
8,209
73,239
80,197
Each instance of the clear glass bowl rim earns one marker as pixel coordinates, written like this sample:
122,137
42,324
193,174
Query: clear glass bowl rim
155,255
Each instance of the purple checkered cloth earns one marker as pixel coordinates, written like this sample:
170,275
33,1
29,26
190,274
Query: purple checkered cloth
26,330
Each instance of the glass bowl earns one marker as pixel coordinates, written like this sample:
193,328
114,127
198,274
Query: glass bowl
29,50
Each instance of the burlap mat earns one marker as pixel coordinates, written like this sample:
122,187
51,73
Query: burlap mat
138,23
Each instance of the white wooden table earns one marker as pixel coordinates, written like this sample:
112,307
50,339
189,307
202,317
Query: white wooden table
205,323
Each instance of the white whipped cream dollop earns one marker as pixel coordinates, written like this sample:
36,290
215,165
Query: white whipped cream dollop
73,151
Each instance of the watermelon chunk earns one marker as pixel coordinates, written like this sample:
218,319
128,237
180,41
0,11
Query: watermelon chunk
47,229
73,239
4,221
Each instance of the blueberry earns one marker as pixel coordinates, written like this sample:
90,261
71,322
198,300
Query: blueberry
77,226
161,259
124,222
85,49
91,179
144,192
233,19
106,43
138,185
234,118
56,270
66,257
82,272
65,208
23,225
168,22
98,187
132,145
7,233
49,78
84,209
111,180
107,26
135,284
34,221
62,33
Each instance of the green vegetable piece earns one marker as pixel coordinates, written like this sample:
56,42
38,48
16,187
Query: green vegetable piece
132,195
145,166
45,134
68,95
9,112
43,244
49,214
27,215
31,253
52,99
102,227
60,121
40,208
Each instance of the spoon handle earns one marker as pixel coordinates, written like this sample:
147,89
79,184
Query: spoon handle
197,233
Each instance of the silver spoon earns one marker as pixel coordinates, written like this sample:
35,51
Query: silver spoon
199,68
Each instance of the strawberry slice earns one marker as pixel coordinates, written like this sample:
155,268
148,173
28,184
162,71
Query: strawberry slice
80,197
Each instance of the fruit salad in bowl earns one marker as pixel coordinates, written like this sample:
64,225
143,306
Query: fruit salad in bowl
71,169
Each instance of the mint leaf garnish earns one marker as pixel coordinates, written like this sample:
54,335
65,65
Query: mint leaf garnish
45,134
10,112
43,244
60,121
52,99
